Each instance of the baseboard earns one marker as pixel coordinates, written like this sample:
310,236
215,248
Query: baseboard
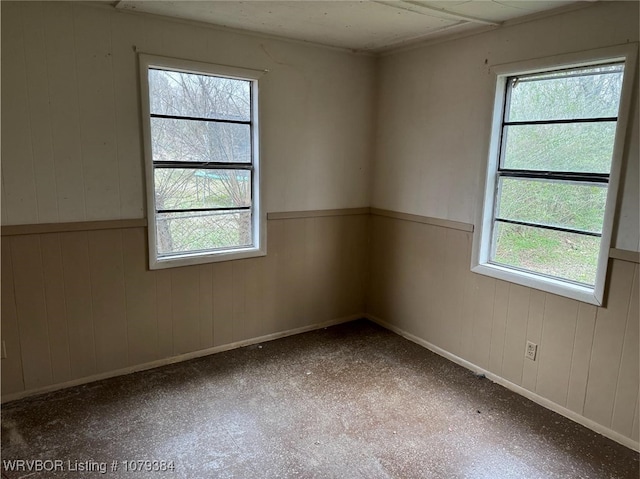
542,401
176,359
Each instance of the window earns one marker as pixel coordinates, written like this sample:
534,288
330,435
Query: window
553,172
202,169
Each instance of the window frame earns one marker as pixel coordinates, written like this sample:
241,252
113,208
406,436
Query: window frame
483,237
258,220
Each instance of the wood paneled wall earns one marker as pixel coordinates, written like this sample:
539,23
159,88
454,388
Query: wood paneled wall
79,304
588,358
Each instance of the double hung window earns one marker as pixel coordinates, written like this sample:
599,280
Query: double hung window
201,138
553,173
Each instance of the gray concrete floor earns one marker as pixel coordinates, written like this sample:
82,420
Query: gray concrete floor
351,401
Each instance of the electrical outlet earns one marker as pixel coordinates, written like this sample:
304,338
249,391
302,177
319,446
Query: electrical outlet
3,351
531,351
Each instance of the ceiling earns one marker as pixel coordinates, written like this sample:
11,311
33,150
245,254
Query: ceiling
368,25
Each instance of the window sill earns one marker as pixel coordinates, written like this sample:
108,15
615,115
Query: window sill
204,258
584,294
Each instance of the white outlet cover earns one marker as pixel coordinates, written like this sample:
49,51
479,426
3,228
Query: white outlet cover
531,351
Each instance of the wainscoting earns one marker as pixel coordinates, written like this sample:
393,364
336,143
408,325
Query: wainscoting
81,305
421,286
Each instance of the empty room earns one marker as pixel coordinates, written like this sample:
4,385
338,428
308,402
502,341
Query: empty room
320,239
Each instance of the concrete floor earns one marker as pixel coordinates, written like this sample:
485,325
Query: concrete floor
351,401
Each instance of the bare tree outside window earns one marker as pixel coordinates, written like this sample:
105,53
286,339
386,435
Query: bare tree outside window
201,139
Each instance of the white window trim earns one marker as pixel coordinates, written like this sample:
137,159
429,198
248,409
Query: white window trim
482,237
259,247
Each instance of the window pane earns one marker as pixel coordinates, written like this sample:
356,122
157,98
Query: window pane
562,255
569,205
585,93
178,188
196,232
191,140
578,147
202,96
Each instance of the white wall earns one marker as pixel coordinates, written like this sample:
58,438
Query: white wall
71,148
436,102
